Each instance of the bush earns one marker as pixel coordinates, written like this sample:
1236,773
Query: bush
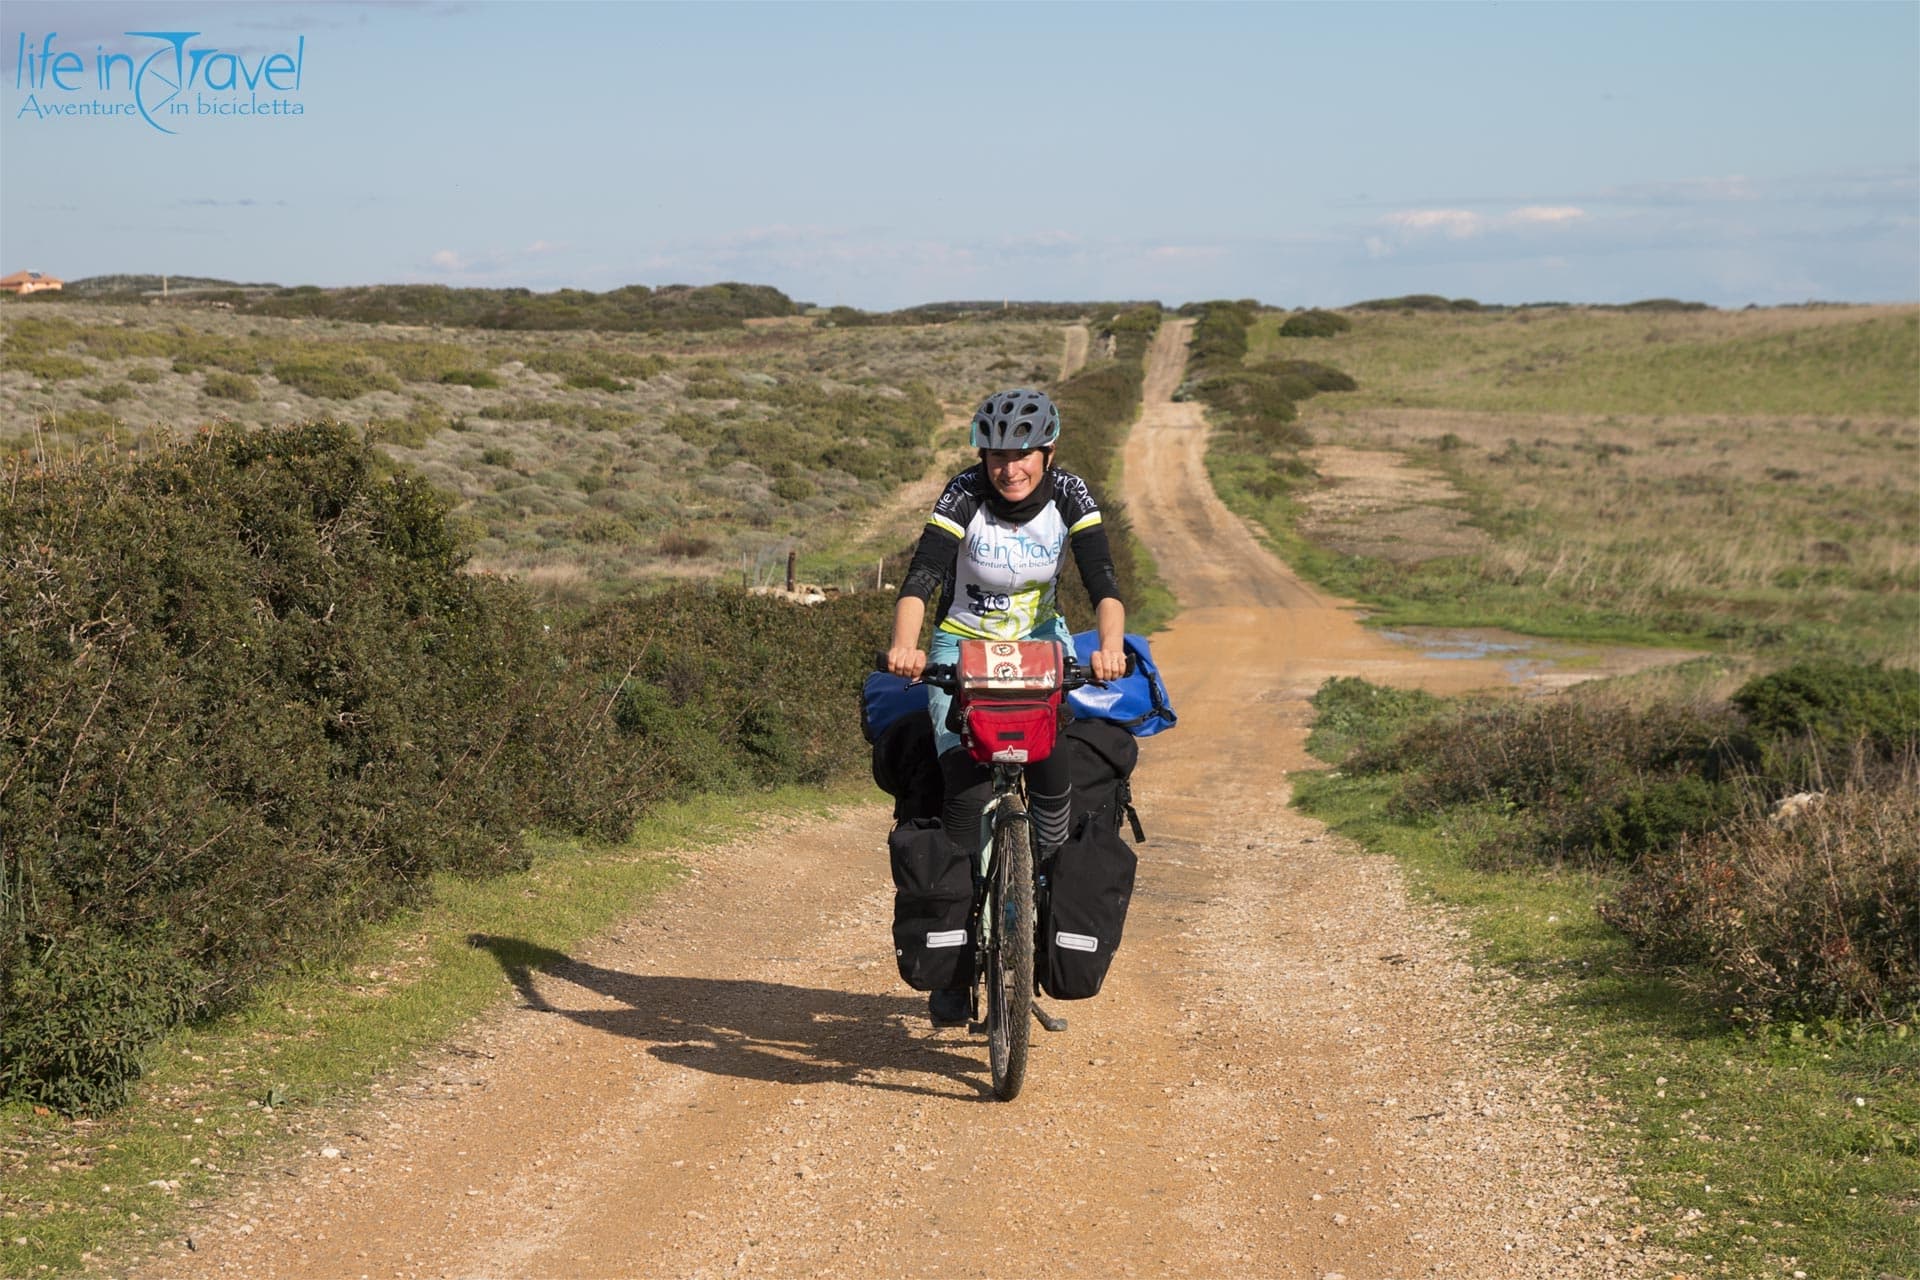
1811,916
221,385
480,378
49,367
1588,783
144,374
1351,713
112,393
1315,324
1836,706
249,701
335,376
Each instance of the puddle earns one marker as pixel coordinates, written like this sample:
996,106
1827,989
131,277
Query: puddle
1534,661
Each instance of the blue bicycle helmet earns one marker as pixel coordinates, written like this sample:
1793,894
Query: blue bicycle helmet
1016,419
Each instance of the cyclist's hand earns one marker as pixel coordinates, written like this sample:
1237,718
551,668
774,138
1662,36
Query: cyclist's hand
1108,664
907,661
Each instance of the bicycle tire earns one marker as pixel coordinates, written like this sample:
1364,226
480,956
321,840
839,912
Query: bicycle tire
1010,955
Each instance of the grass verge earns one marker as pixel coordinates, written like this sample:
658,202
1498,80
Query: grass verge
223,1096
1795,1150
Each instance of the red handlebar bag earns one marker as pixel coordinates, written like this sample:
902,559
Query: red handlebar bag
1010,693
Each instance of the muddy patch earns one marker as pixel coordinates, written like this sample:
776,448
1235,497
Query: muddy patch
1534,664
1377,504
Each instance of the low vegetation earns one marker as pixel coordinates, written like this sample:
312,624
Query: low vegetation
1740,480
766,438
1740,979
377,717
1711,877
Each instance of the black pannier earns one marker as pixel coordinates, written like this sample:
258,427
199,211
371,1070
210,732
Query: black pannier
933,895
1089,883
1100,760
905,768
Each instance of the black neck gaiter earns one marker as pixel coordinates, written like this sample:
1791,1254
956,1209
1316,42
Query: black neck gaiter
1027,508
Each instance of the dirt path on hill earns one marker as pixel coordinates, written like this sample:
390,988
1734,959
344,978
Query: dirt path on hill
1292,1072
1075,357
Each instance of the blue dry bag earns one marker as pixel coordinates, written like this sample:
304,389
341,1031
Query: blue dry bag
1137,703
885,698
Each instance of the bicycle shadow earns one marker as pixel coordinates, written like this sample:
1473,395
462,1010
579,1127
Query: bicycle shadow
746,1029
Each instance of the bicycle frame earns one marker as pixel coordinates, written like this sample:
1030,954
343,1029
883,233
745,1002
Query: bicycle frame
1009,783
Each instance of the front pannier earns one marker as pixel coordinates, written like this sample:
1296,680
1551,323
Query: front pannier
1101,756
932,897
1089,883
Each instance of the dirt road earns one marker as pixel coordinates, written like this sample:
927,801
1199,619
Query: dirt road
1291,1073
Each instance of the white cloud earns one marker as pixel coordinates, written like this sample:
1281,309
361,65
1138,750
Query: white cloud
1457,223
1546,213
1186,253
448,260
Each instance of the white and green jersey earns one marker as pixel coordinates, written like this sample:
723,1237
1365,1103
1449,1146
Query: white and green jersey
1003,572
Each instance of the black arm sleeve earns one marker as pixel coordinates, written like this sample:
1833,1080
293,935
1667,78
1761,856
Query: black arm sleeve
933,562
1095,560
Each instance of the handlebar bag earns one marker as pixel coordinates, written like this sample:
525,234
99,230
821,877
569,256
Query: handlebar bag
932,898
1010,692
1088,887
1137,703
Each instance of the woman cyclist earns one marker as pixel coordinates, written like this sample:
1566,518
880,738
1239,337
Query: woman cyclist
993,548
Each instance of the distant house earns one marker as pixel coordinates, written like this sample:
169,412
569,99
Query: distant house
28,282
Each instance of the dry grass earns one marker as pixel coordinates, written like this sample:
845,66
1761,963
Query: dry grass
576,485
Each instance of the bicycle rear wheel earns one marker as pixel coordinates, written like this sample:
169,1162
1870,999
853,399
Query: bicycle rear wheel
1010,954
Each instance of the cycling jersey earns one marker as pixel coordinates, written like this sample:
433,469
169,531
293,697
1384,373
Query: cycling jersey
997,565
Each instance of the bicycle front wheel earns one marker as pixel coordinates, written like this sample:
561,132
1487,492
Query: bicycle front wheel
1010,954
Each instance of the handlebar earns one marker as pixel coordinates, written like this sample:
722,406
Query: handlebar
945,676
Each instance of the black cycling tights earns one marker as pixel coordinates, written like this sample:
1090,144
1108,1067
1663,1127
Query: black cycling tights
969,787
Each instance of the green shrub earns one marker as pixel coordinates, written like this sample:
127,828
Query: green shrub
1836,705
1315,324
470,378
82,1012
596,382
333,376
497,456
221,385
112,393
49,367
249,702
793,488
1812,916
143,373
1589,783
1351,713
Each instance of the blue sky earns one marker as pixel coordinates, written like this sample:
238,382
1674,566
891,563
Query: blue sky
880,155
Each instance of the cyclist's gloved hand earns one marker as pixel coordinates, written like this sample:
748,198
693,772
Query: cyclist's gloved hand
904,660
1108,664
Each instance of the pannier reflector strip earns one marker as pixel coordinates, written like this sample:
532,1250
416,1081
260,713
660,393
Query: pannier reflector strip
1075,941
946,938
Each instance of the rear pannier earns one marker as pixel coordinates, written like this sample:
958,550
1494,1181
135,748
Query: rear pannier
1089,884
932,898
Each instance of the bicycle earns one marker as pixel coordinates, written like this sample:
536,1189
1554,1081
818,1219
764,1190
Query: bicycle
1006,727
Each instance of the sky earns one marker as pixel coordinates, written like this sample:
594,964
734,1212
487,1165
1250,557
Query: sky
880,155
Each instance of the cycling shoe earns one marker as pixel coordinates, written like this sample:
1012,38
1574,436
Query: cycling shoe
949,1007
